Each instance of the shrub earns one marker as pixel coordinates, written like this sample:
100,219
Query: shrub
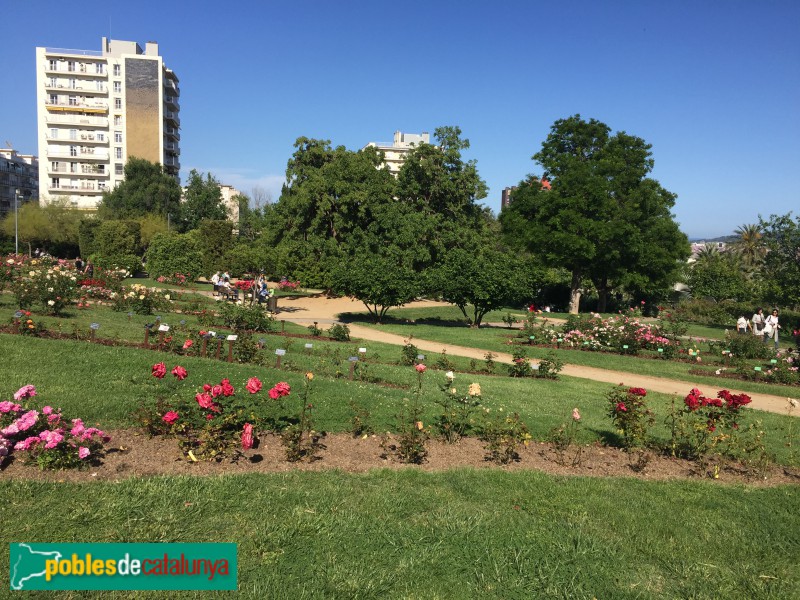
54,288
171,253
743,346
630,415
504,434
117,238
408,353
520,367
457,418
129,263
141,300
339,332
246,317
549,367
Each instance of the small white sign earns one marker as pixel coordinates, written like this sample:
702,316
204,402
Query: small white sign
163,327
309,346
362,350
353,359
232,338
280,352
420,357
212,333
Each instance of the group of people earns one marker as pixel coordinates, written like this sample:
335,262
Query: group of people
222,285
763,326
87,268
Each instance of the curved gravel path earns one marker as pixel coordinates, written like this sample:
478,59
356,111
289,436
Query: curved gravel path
306,310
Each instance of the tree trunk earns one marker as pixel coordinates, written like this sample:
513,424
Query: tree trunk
575,292
602,294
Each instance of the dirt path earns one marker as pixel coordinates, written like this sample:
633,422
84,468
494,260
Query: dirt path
306,310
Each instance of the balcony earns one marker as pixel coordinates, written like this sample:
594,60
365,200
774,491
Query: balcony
84,171
172,147
83,153
172,162
83,121
83,89
172,117
83,138
84,188
170,88
172,132
80,106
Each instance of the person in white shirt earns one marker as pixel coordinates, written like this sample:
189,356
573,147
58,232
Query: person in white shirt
771,327
758,322
215,281
742,325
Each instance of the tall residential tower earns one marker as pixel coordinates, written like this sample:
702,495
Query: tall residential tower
98,109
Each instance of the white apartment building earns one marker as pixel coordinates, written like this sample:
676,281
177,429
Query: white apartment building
95,110
396,151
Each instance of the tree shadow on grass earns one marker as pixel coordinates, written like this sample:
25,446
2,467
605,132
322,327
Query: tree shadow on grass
358,318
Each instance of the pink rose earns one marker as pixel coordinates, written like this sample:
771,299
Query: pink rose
227,388
216,391
170,417
576,415
204,400
159,370
179,372
47,410
253,385
83,452
247,436
420,368
26,391
187,344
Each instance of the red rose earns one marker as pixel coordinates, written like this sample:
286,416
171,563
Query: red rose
206,387
179,372
420,368
159,370
187,344
621,407
170,417
227,388
204,400
216,391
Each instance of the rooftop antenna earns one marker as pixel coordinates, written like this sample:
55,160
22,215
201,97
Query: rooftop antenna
9,144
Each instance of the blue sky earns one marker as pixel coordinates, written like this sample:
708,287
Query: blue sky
714,86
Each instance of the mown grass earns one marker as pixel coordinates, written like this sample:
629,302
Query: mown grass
458,534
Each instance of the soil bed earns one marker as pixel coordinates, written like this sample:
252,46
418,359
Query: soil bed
134,455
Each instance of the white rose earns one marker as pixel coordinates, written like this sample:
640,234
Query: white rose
50,302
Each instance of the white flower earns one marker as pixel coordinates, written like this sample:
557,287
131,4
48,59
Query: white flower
166,296
450,376
49,289
51,302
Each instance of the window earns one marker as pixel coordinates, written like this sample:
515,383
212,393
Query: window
53,133
98,68
117,87
101,137
116,70
73,84
55,166
118,103
73,101
118,137
118,153
71,65
117,120
53,64
101,86
118,169
53,99
54,182
73,151
73,167
53,82
73,134
101,169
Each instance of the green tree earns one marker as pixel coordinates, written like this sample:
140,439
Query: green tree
53,226
147,188
214,238
484,279
718,276
117,238
601,217
378,281
782,261
202,202
750,246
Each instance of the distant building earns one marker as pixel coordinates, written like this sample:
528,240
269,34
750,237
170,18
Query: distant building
19,179
96,110
395,152
229,200
505,196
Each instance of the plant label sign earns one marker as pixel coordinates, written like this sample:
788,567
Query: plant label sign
94,326
212,333
309,346
420,357
232,338
163,327
280,352
773,361
660,349
757,368
625,347
362,350
353,359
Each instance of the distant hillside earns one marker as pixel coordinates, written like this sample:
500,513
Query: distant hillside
725,238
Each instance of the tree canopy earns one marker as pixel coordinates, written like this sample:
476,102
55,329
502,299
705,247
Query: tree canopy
600,217
147,188
202,202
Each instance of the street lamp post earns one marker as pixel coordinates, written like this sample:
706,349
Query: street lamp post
16,222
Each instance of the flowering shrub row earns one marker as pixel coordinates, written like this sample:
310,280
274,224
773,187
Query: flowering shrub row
46,436
179,279
287,286
53,288
141,300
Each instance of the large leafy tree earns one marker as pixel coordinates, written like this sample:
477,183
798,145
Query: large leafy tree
749,245
782,261
202,201
146,189
483,279
718,276
52,226
601,217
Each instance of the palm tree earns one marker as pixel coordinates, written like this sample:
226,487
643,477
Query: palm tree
750,246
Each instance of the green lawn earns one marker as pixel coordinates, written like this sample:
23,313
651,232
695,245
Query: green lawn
458,534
